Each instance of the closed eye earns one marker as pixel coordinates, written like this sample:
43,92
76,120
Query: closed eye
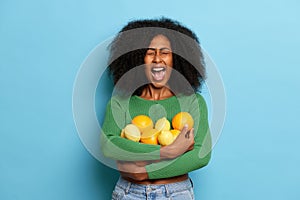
150,53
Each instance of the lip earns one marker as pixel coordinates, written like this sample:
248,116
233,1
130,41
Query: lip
158,69
158,73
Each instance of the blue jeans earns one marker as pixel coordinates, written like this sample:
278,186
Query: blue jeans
125,190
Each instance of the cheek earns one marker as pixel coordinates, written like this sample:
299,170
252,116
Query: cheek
147,70
147,60
170,62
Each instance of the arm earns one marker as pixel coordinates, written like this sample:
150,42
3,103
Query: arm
137,170
191,160
118,148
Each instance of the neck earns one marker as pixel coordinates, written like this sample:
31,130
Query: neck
153,93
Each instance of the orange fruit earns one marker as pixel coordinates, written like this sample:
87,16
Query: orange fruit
165,138
143,122
150,136
182,118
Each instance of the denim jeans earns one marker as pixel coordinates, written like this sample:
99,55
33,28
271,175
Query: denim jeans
125,190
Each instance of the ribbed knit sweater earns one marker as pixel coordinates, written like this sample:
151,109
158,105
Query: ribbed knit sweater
119,113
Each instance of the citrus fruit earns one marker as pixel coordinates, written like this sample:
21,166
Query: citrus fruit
122,133
162,124
175,132
132,132
143,122
182,118
150,136
165,138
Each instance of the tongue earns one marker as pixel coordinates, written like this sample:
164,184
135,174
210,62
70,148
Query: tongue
158,76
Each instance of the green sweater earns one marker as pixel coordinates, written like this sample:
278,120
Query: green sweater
119,113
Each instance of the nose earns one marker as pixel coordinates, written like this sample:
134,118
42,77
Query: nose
157,58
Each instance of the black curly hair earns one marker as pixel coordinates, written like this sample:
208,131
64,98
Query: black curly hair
128,49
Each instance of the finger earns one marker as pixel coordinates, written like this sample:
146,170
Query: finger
141,163
184,129
190,133
191,147
120,162
187,135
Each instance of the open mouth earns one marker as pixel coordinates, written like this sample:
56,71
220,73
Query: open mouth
158,73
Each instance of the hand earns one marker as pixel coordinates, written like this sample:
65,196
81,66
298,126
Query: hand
183,143
133,170
141,163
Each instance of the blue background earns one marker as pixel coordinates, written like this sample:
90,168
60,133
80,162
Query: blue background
255,45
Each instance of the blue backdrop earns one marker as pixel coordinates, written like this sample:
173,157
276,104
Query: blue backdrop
255,45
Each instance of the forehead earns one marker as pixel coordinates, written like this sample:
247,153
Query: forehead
160,41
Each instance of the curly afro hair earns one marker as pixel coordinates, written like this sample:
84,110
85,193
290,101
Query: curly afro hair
128,49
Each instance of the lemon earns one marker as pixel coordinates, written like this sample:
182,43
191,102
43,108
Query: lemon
150,136
122,133
132,132
162,124
175,132
165,138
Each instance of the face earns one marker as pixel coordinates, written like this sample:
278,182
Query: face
159,61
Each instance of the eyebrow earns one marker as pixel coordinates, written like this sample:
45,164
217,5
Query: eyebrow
164,48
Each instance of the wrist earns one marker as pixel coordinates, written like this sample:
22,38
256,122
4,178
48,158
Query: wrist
168,152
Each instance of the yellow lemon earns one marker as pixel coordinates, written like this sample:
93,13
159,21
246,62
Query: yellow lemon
143,122
132,132
150,136
122,133
175,133
165,138
162,124
182,118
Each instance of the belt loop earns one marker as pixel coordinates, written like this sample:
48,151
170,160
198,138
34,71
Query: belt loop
128,187
167,191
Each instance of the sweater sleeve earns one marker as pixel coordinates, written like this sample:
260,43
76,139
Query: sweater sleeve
191,160
118,148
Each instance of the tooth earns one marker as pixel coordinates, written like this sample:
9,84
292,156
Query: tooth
158,69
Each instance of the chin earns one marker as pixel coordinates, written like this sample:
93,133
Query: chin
158,85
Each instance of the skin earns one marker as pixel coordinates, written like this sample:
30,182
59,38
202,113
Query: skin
159,55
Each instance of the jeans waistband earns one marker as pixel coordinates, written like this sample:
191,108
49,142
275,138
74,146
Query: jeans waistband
167,188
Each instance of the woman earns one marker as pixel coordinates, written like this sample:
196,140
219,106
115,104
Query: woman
157,67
